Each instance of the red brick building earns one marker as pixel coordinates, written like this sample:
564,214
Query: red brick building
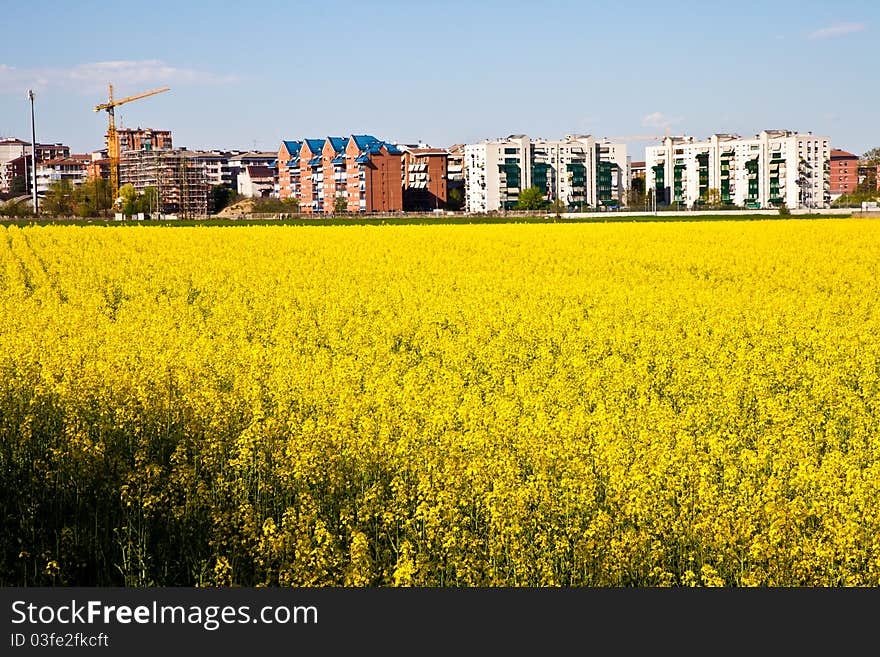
363,171
844,172
143,139
288,169
375,170
425,179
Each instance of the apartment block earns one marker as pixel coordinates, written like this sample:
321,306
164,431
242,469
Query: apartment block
288,169
773,168
844,173
425,177
143,139
577,170
374,170
73,169
15,160
179,178
363,171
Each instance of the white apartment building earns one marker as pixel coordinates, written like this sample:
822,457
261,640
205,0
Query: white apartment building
772,168
577,170
73,169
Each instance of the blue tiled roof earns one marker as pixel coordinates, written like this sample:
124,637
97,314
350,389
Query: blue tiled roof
292,163
338,143
339,159
315,145
292,147
315,161
363,159
363,141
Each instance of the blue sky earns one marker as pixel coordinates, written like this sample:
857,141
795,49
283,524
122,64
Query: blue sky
247,75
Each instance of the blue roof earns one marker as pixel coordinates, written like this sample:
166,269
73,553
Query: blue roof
377,146
339,159
363,141
292,163
315,145
315,161
363,159
292,147
338,143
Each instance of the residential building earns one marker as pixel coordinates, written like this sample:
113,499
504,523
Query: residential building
73,169
425,183
143,139
256,181
774,168
374,169
455,176
288,169
844,173
15,156
360,169
577,170
217,169
311,176
239,160
179,178
99,165
637,171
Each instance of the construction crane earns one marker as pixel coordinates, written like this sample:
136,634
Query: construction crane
113,138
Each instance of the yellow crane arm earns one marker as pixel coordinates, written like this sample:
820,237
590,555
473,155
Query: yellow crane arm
128,99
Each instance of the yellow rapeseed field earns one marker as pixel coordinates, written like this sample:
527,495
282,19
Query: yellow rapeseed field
661,404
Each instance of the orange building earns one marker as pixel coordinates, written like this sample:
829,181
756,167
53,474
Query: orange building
363,171
288,169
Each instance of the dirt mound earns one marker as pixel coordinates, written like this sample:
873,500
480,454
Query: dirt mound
237,209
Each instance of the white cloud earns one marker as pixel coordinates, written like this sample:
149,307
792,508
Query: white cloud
837,30
95,76
659,120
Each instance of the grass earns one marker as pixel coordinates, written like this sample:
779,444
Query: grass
414,220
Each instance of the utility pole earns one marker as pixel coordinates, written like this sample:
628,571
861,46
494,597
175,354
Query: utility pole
30,94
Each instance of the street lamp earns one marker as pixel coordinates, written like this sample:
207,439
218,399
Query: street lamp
30,94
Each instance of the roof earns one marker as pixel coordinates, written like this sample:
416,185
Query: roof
338,143
315,161
258,171
315,145
339,159
363,141
637,164
292,146
835,153
64,160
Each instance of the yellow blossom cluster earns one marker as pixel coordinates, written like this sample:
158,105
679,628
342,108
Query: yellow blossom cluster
665,404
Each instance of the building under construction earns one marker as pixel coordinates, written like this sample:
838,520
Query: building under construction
180,180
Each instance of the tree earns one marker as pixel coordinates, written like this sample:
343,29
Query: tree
455,199
148,201
531,198
712,198
18,186
871,157
558,206
129,197
92,198
59,199
340,206
221,197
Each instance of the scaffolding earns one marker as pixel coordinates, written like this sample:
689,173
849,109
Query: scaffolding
181,182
